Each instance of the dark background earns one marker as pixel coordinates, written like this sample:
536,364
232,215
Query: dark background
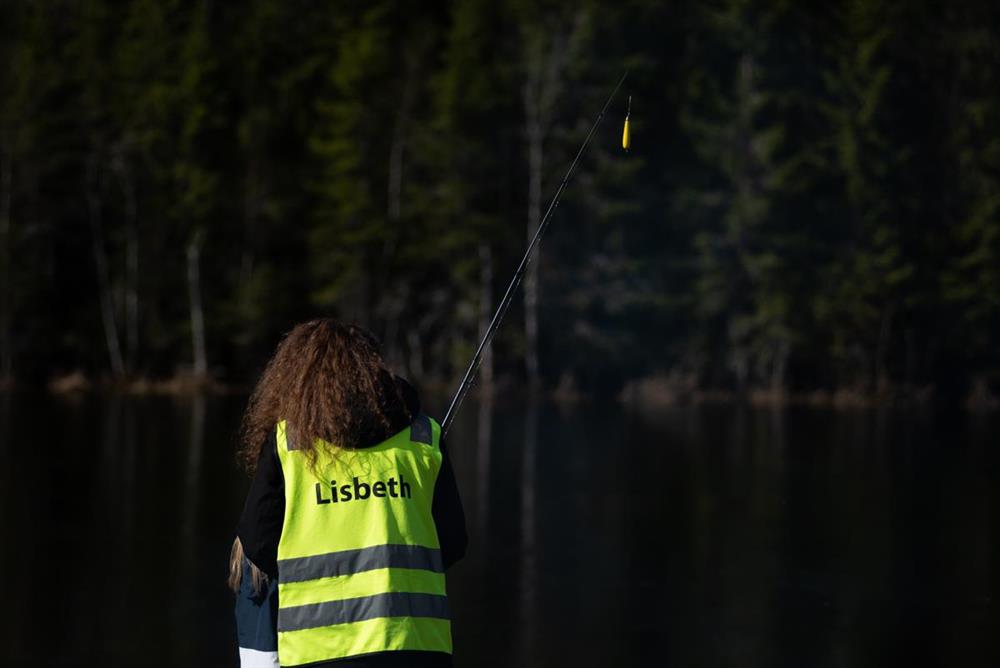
810,202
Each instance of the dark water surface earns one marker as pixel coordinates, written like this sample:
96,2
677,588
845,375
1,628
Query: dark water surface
711,536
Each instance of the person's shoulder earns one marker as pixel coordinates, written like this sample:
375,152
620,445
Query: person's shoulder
268,461
409,394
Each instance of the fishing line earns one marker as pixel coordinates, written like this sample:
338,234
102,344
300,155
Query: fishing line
508,296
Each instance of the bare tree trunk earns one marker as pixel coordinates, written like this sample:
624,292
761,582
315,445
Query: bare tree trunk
396,150
394,297
251,214
131,262
778,368
745,177
882,351
94,209
392,304
739,338
544,66
415,358
535,155
6,298
485,314
197,313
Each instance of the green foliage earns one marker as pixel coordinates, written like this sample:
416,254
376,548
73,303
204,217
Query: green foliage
811,199
970,282
738,129
868,277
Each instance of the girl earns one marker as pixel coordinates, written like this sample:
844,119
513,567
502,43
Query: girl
353,514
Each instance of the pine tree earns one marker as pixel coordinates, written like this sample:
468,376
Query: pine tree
195,181
735,122
279,63
369,251
141,69
469,146
551,38
971,283
867,282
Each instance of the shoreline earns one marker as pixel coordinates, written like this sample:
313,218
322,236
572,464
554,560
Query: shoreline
179,384
649,393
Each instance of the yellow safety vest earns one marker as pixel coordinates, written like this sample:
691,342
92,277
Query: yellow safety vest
359,563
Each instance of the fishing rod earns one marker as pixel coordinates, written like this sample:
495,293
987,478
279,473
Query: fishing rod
508,296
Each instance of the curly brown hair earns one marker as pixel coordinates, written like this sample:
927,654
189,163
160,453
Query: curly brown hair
329,381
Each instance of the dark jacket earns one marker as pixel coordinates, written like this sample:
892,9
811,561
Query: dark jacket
260,530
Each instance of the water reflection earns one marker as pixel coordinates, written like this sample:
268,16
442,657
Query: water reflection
192,471
726,536
484,445
528,598
698,536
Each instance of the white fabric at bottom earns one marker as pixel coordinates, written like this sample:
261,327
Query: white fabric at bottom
254,658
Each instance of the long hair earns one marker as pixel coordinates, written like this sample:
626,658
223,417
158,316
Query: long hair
329,382
257,577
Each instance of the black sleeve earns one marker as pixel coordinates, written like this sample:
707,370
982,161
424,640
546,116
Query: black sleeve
449,517
264,511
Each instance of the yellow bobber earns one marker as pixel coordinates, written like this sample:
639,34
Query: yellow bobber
626,133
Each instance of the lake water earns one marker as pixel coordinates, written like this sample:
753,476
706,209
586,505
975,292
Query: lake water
698,536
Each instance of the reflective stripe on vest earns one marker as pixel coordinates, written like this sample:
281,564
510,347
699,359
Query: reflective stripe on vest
359,564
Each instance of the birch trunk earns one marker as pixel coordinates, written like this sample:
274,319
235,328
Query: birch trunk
6,298
485,314
391,304
778,369
131,263
882,351
393,296
415,356
535,157
197,313
546,60
395,185
95,213
251,214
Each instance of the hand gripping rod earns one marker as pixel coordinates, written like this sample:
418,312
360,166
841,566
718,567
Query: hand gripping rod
470,373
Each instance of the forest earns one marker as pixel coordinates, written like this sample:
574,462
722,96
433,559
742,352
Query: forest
810,205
